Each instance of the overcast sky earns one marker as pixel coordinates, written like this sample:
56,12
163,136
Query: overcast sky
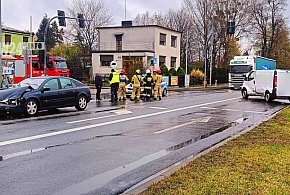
16,13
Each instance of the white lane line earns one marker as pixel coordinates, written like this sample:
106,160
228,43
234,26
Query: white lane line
158,108
234,110
117,113
90,119
9,142
255,112
201,120
209,108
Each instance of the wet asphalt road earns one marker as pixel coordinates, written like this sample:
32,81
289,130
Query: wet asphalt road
108,148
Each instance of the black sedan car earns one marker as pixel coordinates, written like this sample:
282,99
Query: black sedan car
44,93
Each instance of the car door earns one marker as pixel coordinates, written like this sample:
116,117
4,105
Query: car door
69,91
251,85
51,96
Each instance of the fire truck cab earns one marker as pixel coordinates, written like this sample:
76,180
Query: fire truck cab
56,66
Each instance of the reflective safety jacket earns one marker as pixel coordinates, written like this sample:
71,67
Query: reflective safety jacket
137,80
123,79
115,77
158,80
148,82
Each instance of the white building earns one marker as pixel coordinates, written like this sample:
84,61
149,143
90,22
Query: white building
135,47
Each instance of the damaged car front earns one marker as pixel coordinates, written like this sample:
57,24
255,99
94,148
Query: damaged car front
11,100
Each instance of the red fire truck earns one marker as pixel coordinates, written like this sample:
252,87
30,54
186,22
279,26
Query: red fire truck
56,66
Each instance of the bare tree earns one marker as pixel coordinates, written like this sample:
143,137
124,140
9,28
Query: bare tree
95,14
268,20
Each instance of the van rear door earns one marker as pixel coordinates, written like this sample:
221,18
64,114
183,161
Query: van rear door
283,81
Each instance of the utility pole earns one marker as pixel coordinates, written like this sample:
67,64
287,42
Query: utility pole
30,46
125,10
1,67
205,42
186,60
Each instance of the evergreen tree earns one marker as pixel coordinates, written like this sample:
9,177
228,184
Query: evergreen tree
53,36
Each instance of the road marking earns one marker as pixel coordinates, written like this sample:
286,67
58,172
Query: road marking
158,108
117,113
198,120
234,110
24,139
209,108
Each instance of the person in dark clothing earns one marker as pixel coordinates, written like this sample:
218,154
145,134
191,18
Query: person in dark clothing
99,85
148,83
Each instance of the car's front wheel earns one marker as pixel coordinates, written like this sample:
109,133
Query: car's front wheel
81,103
31,107
164,93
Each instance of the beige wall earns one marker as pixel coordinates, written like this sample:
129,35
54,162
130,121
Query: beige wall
167,50
137,40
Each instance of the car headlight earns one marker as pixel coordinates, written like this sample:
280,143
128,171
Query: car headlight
10,101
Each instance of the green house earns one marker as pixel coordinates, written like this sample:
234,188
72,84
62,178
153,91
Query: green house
13,40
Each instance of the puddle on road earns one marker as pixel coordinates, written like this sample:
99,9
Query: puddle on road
17,154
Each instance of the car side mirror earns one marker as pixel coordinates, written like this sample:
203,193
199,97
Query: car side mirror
45,89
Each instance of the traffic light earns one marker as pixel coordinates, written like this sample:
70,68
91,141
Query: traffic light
41,57
81,20
231,27
61,18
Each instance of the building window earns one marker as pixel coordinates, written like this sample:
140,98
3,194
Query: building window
119,42
173,62
25,39
173,41
162,39
7,39
162,60
106,60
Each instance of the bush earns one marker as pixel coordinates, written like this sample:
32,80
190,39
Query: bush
196,76
164,70
172,72
180,72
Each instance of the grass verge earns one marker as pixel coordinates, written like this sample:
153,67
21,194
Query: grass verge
257,162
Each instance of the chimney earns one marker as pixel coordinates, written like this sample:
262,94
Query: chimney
127,23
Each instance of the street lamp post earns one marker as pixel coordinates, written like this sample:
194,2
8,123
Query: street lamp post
1,67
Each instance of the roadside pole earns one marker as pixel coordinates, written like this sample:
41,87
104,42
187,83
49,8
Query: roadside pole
1,67
186,61
30,46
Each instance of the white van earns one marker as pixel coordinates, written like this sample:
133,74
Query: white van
271,84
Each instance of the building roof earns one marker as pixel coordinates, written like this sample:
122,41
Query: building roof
140,26
6,28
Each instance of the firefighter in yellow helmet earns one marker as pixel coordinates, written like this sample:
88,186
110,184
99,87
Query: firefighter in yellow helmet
122,86
157,85
137,81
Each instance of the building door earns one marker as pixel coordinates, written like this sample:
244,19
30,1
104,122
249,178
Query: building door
132,63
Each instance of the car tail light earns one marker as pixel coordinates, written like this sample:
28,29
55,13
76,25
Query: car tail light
275,81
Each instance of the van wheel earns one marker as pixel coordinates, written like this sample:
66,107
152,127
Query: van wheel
268,97
81,103
245,94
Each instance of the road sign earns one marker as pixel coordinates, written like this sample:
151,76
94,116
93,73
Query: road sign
26,53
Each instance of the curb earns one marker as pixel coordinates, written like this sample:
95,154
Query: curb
143,185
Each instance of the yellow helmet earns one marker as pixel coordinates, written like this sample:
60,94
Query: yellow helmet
138,71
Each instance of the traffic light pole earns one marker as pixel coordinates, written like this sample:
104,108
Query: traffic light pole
44,39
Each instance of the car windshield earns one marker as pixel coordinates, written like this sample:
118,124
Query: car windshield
60,64
33,82
240,69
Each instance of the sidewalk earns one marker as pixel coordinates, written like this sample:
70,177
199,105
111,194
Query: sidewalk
257,162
